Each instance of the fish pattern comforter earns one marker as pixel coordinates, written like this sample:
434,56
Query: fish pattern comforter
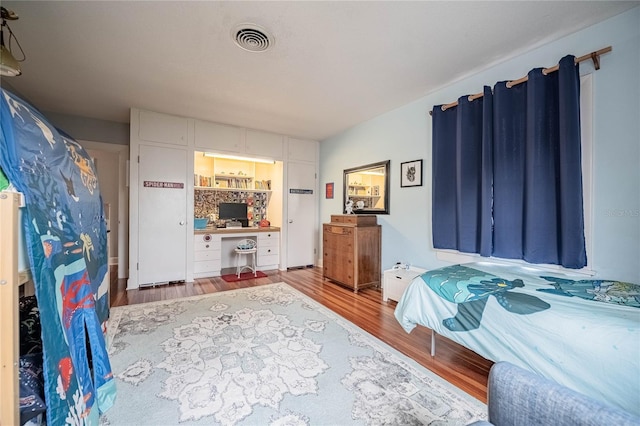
582,333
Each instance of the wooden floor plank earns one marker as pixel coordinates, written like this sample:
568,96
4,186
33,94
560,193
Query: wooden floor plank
456,364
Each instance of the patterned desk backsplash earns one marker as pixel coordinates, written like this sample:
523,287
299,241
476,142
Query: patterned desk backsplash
206,203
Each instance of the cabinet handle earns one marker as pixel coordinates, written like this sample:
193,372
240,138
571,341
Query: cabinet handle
207,246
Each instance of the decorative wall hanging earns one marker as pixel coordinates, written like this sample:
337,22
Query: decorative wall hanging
411,173
329,190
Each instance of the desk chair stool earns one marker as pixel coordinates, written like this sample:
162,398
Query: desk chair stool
246,247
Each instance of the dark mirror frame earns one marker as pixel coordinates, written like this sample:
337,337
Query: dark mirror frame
384,193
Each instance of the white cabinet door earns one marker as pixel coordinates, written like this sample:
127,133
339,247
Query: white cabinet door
302,150
162,220
218,137
156,127
301,214
262,144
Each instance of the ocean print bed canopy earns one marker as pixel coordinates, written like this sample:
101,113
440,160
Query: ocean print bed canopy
66,242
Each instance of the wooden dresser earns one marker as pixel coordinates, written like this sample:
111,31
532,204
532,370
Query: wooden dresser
352,250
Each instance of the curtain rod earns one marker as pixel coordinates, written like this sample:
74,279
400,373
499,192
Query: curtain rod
594,56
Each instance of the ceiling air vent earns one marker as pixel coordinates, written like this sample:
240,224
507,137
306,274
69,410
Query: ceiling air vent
252,37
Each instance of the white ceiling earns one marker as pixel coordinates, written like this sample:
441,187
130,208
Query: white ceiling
333,65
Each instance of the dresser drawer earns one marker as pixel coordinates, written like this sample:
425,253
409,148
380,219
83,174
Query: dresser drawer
337,243
355,219
337,230
339,274
339,256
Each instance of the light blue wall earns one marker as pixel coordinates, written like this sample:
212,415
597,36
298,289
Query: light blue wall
404,134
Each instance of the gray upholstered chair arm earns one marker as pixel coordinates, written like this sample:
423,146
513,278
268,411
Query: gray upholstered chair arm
519,397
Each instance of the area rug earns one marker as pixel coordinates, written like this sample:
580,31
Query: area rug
231,278
267,355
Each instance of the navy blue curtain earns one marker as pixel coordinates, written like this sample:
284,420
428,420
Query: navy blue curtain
508,173
518,176
462,176
538,210
443,196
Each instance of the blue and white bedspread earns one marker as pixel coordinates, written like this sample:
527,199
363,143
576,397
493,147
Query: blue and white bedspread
584,334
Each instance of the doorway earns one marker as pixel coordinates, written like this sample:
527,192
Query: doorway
111,161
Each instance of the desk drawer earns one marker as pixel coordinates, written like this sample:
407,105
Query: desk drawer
207,255
267,250
206,242
273,259
207,266
268,239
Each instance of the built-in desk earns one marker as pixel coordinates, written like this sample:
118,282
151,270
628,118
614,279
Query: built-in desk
214,249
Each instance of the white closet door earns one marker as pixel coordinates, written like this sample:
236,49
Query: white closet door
301,214
162,220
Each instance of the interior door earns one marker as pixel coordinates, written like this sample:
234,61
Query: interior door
301,214
162,207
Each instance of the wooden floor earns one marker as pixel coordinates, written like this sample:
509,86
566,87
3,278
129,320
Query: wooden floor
458,365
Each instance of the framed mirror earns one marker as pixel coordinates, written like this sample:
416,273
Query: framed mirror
366,189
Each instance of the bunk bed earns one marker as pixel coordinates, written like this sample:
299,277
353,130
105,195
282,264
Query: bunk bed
581,333
16,285
9,282
65,237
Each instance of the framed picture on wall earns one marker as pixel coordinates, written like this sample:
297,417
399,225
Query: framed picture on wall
328,192
411,173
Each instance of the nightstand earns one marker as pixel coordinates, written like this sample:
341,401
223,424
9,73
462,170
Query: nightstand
396,282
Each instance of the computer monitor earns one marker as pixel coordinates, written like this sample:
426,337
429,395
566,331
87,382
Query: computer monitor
233,211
